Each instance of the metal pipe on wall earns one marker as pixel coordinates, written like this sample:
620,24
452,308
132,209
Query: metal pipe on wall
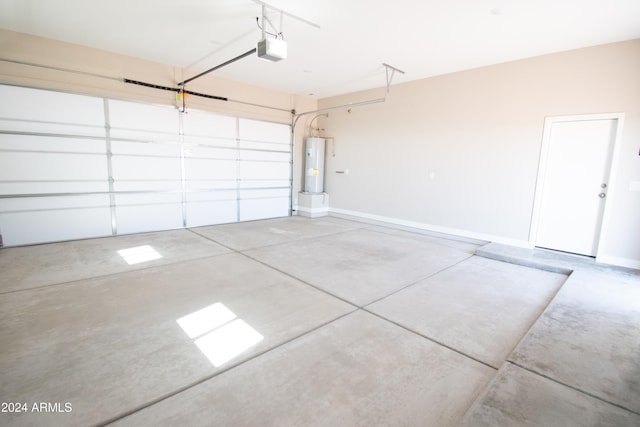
294,121
296,116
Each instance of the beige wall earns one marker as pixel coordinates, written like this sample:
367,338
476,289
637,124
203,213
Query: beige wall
460,152
96,72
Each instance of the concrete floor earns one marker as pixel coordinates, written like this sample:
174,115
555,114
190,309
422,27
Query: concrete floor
325,321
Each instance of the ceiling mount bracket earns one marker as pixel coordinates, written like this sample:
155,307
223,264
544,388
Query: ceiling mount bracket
388,67
390,71
265,18
285,13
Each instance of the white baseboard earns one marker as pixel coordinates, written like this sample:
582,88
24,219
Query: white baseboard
619,261
311,212
429,227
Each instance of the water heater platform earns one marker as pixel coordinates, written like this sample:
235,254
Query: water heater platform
313,205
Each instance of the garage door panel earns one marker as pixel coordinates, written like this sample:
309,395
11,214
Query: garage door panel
51,166
210,169
212,212
140,116
45,106
264,183
148,198
148,212
23,204
264,193
142,218
44,187
210,185
256,130
50,129
212,195
211,207
262,145
42,219
50,226
264,170
264,203
265,156
209,141
160,185
254,209
59,144
200,123
210,152
131,167
170,147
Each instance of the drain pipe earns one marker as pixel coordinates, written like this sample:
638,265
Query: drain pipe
390,72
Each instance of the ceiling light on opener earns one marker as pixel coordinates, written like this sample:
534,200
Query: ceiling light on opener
272,49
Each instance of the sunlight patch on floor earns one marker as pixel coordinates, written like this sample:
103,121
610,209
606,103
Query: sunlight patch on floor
218,333
139,254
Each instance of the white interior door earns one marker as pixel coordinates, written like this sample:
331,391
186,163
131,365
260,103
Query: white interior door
575,185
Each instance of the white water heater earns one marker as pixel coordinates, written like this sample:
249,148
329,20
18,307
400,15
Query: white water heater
314,165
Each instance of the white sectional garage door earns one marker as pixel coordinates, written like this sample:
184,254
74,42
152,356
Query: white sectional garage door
74,166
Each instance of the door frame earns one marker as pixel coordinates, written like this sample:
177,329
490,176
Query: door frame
611,184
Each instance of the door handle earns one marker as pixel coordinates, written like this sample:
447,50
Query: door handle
602,195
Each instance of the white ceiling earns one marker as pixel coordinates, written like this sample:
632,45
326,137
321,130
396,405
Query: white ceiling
422,37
